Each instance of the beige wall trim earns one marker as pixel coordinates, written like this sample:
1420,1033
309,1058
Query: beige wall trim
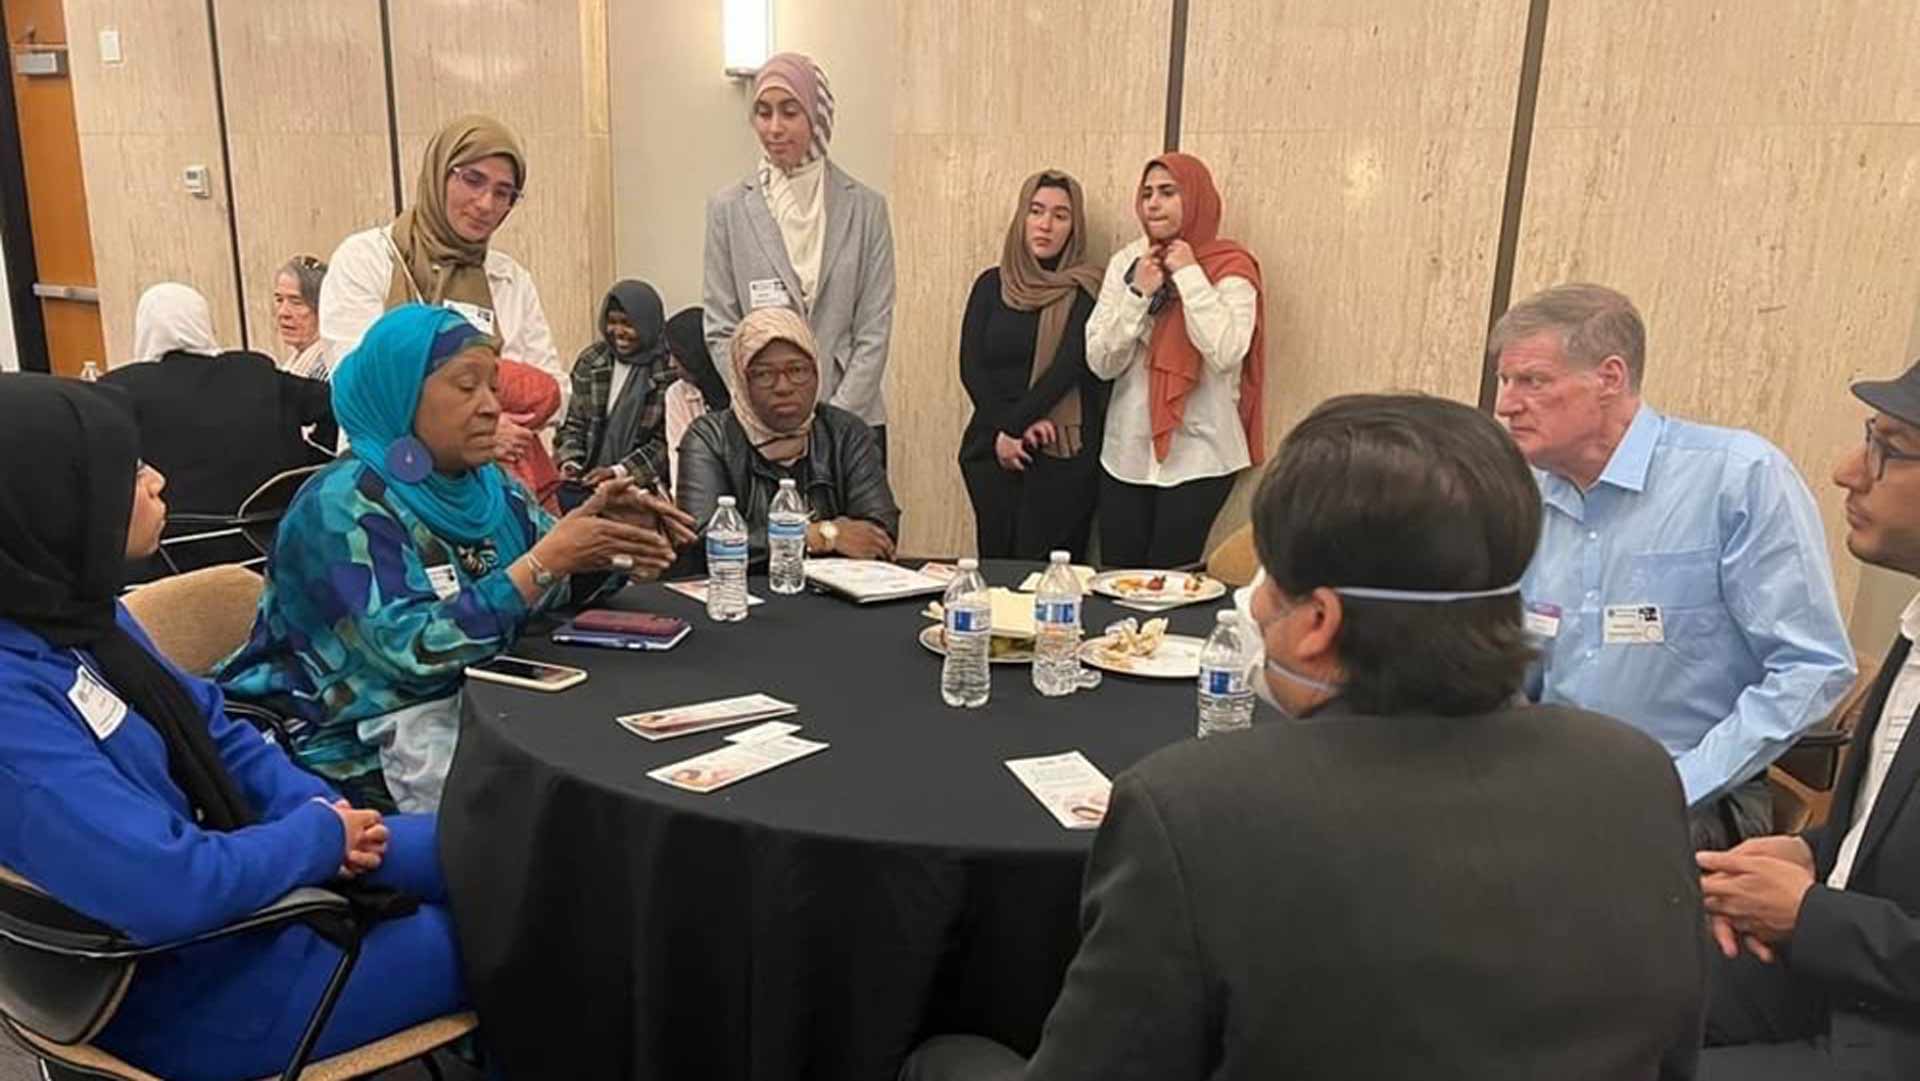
1509,243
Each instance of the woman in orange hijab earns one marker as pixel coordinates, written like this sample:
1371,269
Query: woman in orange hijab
1179,329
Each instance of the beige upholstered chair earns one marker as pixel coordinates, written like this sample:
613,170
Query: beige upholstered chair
199,617
1234,561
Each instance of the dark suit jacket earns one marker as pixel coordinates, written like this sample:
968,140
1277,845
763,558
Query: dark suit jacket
1508,896
219,427
1860,947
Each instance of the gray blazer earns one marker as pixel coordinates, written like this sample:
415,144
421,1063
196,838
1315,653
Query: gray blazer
852,315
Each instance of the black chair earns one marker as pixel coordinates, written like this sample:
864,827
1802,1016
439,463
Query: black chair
63,975
245,536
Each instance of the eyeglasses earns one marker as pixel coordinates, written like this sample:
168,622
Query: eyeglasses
476,182
1880,452
798,375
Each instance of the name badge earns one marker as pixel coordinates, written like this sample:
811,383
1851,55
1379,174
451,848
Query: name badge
768,293
1633,625
444,580
102,709
481,318
1543,620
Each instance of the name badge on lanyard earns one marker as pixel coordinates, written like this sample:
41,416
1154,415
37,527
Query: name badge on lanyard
98,705
768,293
481,318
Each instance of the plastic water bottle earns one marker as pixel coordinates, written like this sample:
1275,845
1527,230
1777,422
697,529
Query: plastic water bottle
964,680
787,540
1226,695
1056,619
726,564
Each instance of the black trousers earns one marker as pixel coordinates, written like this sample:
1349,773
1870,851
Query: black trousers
1145,526
1744,812
1027,514
1761,1026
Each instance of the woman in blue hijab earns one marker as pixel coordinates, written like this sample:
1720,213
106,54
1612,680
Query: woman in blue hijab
414,557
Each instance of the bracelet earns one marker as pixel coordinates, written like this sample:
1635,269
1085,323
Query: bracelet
542,577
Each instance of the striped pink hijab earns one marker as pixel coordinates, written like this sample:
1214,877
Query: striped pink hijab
800,76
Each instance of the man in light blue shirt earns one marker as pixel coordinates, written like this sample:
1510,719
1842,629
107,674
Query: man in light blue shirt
1682,582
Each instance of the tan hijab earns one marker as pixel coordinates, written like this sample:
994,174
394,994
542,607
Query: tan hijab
436,263
1027,286
761,328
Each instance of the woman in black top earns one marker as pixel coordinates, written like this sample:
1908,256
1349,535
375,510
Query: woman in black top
1030,454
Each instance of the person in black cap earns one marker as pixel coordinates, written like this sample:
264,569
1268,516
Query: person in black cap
1820,933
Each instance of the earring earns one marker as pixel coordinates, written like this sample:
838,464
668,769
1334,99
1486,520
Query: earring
408,461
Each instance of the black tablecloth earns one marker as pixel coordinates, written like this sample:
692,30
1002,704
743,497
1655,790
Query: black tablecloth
812,922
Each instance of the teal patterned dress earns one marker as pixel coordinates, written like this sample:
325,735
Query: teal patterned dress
366,627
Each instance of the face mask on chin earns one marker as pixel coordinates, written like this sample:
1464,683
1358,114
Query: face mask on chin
1243,604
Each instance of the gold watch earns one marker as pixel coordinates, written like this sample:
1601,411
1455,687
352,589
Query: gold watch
829,534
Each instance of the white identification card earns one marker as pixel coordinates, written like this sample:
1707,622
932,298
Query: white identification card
102,708
445,581
1543,620
481,318
1633,625
768,293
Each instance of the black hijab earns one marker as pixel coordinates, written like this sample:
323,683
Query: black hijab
687,339
63,543
642,306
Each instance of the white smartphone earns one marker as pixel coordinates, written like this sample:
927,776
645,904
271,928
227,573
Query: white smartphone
533,675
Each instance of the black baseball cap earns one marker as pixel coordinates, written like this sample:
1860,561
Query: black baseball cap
1898,398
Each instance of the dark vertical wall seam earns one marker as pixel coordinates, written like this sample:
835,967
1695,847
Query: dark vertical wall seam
393,112
1176,73
1517,157
226,171
16,229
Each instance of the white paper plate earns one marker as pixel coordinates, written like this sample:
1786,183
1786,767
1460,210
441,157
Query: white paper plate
1175,589
1022,653
1177,658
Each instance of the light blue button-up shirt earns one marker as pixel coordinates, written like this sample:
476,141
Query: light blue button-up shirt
1715,529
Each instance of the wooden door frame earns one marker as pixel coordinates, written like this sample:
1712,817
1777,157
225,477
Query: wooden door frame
16,232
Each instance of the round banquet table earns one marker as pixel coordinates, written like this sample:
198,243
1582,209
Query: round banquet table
814,921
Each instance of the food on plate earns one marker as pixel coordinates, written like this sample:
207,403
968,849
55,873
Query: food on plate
1130,638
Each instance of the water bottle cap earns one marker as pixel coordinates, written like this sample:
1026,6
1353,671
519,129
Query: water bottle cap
969,564
1059,555
1226,615
726,501
785,482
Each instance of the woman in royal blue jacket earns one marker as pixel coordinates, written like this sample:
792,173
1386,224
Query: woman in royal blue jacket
128,794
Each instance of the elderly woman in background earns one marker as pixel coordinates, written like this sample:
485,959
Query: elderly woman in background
834,260
196,402
697,389
413,558
131,797
296,315
615,426
777,429
437,252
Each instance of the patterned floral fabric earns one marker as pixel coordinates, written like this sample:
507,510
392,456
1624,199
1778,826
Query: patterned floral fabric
352,627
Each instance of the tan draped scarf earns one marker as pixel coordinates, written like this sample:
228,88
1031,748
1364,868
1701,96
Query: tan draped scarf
436,264
1027,286
761,328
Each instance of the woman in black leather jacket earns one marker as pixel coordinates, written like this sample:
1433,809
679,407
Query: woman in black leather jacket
777,428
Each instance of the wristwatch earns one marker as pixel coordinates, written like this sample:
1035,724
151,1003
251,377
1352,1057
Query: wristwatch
829,534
